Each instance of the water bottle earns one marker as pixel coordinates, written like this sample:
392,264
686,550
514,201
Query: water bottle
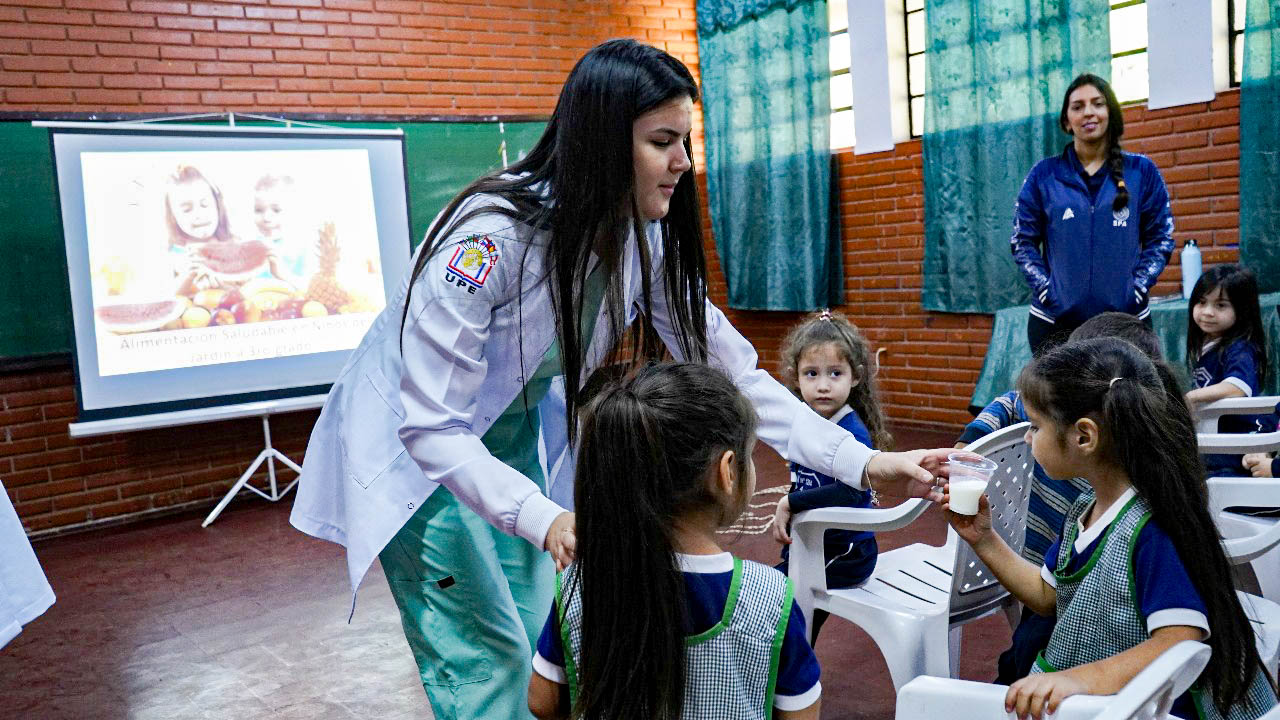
1190,267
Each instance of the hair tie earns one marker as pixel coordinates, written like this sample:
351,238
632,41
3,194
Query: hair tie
1113,382
825,314
1121,183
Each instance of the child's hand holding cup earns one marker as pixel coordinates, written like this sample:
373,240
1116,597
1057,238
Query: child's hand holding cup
970,474
965,493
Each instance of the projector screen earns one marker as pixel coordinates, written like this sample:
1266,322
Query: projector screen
218,266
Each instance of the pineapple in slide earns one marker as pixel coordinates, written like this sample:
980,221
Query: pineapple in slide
324,287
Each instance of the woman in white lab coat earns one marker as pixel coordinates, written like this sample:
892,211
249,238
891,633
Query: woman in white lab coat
432,452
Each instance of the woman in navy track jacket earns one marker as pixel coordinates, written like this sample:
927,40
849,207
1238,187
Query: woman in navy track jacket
1092,228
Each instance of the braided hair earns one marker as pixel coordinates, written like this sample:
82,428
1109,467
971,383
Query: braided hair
1115,129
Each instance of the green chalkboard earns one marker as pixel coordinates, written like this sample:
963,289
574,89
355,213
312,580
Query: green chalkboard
35,311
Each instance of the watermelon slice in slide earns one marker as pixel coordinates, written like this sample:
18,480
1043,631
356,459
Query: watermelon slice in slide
234,261
140,317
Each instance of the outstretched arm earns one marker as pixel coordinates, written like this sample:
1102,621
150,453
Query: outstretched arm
1018,576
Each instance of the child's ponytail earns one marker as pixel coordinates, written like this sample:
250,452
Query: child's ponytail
646,453
1147,427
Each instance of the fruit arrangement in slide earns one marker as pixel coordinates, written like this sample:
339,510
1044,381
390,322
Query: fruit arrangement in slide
246,292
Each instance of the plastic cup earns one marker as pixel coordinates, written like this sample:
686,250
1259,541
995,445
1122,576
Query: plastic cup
970,474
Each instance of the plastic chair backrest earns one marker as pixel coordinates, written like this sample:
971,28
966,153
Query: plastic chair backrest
1225,492
1008,493
1148,696
1151,692
1206,416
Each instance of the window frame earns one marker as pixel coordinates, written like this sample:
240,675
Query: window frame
841,36
1234,70
913,131
1145,49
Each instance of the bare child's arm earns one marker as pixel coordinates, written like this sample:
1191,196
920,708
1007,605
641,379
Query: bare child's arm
809,713
548,700
1036,695
1018,576
1220,391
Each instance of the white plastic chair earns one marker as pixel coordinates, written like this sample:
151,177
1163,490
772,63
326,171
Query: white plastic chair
1148,696
918,597
1264,616
1248,539
1207,415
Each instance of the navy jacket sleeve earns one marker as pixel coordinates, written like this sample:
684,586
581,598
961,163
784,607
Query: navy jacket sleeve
1156,230
1028,233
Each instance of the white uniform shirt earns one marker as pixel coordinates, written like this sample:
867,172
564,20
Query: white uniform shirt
396,425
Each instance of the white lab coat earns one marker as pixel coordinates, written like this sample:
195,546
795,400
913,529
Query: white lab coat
396,425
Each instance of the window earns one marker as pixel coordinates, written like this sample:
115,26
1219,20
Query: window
1129,50
841,84
913,11
1235,39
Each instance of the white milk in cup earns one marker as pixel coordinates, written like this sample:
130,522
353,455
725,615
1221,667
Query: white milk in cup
970,474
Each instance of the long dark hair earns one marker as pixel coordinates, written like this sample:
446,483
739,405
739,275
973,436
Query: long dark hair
833,327
1240,286
577,186
648,450
1115,129
1147,428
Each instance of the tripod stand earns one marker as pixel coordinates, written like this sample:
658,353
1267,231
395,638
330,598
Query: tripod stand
269,455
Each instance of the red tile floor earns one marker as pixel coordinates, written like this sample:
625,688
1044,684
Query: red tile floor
247,619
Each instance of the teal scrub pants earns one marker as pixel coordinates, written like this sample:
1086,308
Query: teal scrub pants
472,599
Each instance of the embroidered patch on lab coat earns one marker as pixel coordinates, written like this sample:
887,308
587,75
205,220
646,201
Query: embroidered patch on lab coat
471,263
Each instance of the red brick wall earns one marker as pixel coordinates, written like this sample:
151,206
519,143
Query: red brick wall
368,57
932,359
342,56
465,58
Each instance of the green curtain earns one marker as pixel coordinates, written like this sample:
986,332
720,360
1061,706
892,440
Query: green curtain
766,105
996,71
1260,144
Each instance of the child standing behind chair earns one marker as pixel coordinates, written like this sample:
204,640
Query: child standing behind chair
664,460
1139,566
827,362
1227,352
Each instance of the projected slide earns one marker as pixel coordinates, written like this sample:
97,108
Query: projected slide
199,258
215,266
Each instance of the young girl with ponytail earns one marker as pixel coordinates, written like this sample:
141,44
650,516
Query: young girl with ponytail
1092,228
1139,566
664,460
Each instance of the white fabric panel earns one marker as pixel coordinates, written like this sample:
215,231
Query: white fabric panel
1180,52
869,69
24,592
